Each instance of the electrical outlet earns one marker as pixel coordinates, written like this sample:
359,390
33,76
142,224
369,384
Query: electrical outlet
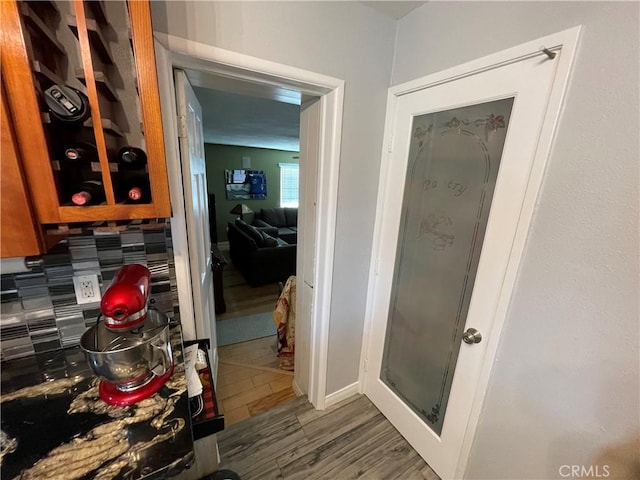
87,288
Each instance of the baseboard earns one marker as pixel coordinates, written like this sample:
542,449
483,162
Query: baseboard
342,394
297,390
223,245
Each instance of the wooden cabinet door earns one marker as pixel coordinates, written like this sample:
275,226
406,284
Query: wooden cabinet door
19,235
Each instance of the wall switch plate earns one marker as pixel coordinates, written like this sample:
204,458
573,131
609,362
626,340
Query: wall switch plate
87,288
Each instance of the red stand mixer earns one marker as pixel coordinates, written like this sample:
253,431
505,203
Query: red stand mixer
129,350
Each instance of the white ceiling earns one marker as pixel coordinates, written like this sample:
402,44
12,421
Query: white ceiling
395,10
232,119
249,115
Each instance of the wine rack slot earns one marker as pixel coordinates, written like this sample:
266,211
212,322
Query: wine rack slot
50,4
83,33
36,22
97,8
113,167
49,76
107,126
96,39
102,82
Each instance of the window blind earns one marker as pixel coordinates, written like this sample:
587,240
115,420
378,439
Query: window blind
289,184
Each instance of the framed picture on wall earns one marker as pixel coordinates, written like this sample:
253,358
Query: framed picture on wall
246,184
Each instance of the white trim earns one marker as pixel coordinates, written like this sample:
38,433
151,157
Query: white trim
342,394
565,44
327,205
194,55
167,90
187,53
296,389
385,167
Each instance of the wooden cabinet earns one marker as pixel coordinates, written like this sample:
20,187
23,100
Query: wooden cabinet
19,235
105,50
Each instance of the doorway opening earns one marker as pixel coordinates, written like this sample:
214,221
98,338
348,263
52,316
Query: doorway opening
251,148
321,100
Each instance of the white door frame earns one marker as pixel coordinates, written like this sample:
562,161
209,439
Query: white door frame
183,53
564,44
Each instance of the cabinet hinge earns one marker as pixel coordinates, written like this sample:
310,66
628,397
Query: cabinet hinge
366,365
182,126
390,147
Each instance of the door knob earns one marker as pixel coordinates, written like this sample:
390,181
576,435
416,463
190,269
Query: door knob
471,336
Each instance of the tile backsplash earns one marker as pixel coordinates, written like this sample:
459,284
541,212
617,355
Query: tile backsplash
39,311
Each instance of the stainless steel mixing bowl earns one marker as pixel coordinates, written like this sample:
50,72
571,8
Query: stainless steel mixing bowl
129,359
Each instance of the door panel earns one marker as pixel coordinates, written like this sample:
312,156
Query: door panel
453,165
305,261
453,191
309,154
194,178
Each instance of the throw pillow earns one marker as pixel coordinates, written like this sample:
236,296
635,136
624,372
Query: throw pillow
291,214
273,216
251,231
240,223
256,235
268,240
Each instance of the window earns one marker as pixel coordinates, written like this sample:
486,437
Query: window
289,176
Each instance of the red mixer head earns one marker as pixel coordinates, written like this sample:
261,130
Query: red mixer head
124,304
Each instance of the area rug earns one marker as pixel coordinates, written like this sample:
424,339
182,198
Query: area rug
243,329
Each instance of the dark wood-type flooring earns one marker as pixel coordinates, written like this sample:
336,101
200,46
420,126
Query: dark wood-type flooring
240,298
294,441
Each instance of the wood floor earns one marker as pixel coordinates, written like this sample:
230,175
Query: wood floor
249,381
240,298
259,353
294,442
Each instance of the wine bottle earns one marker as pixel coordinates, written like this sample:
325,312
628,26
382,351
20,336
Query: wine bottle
82,152
67,104
132,158
90,192
138,189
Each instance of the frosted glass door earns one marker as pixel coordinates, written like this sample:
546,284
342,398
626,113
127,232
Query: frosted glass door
454,157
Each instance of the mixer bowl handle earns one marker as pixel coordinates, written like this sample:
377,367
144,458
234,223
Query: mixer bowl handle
164,362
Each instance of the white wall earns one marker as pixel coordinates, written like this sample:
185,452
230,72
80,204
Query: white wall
346,40
565,383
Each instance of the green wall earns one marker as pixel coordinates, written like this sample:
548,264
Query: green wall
226,157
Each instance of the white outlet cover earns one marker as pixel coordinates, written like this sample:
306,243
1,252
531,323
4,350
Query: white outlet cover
87,288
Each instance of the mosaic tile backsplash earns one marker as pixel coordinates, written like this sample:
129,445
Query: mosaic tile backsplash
39,311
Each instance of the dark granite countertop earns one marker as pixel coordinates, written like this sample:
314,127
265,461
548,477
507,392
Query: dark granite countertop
55,426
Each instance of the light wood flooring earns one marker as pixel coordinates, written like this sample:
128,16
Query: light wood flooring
294,442
249,381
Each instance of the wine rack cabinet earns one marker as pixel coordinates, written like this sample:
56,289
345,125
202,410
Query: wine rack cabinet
105,50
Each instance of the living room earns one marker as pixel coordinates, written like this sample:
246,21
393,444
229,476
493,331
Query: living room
252,160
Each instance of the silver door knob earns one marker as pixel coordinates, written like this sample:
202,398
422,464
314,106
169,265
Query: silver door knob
471,336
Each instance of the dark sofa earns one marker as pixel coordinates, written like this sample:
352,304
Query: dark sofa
283,219
260,257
